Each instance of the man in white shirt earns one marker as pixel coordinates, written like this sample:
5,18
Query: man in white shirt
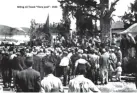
64,64
82,84
81,63
50,83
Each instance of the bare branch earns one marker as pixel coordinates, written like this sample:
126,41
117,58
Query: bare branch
112,9
113,5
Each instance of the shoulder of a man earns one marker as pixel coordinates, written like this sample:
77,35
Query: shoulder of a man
31,72
35,72
20,74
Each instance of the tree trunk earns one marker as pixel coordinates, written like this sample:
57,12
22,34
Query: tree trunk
105,29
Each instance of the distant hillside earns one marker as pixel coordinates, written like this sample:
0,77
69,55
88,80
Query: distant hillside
7,30
4,29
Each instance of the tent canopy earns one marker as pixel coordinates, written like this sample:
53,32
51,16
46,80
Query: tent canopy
132,29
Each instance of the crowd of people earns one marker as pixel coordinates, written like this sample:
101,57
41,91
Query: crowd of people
47,69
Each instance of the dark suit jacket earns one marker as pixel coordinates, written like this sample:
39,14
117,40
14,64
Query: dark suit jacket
28,80
38,65
18,63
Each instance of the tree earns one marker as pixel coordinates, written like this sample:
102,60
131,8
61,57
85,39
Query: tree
106,18
39,33
82,10
130,17
85,11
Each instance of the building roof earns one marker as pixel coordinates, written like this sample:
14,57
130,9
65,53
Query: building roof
131,29
117,25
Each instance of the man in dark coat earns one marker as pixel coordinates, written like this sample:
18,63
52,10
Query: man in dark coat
38,65
6,70
28,80
136,74
94,62
17,64
1,56
74,57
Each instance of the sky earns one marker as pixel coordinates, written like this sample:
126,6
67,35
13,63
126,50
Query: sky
121,7
18,13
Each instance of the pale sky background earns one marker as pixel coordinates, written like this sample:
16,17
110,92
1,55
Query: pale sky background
18,17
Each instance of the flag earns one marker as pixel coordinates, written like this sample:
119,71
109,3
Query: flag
46,26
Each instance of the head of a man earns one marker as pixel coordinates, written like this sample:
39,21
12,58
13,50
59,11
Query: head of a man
92,50
29,61
81,69
48,67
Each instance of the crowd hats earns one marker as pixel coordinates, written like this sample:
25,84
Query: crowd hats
119,63
103,50
29,54
118,48
80,51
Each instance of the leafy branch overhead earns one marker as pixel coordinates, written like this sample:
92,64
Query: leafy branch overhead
130,17
75,7
82,10
87,12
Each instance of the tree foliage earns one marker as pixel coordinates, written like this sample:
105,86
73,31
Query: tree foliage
130,17
85,12
82,10
37,33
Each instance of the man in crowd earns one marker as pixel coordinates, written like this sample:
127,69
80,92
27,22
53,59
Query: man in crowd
64,64
6,69
118,54
136,75
80,63
113,58
28,80
114,40
94,62
37,65
80,83
104,66
74,57
50,83
17,64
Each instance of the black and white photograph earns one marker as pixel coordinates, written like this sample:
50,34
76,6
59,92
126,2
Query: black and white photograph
68,46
